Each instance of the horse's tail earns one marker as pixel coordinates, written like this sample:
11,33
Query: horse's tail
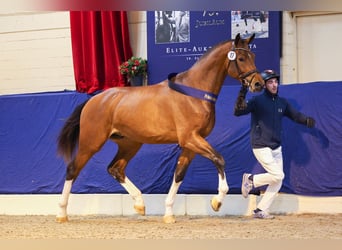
68,137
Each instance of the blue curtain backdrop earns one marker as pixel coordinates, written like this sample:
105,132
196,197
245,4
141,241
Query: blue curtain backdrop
166,54
29,163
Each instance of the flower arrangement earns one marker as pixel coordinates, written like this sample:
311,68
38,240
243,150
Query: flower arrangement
135,66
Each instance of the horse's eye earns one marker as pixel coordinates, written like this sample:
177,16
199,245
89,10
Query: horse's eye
241,59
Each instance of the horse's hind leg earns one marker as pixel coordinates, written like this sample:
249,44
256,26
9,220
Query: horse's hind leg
182,165
73,170
127,149
62,215
86,150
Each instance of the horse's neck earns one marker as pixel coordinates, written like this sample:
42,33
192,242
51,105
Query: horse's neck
210,72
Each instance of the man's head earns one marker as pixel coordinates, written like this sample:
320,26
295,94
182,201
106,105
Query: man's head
271,79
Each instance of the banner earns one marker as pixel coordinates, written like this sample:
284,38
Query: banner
177,39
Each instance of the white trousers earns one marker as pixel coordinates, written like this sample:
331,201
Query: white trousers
272,162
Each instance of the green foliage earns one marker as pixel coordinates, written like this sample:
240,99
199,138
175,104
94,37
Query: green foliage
135,66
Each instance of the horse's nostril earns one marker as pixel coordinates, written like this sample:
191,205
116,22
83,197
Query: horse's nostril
257,85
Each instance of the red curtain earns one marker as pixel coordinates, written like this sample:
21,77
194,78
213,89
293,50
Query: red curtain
100,43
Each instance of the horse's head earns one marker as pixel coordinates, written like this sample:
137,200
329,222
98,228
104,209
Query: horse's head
241,64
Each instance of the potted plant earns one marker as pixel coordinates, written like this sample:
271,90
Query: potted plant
135,69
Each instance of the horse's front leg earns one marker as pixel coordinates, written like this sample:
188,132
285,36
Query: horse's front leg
200,146
223,188
182,165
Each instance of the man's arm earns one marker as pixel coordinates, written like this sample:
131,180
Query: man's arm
310,122
240,103
299,117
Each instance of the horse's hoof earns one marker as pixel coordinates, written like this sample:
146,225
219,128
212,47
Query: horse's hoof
140,209
216,205
169,219
62,219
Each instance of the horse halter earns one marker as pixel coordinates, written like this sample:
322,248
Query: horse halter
243,76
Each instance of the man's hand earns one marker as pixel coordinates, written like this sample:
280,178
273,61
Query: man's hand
240,101
310,122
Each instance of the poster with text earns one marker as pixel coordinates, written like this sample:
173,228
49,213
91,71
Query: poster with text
177,39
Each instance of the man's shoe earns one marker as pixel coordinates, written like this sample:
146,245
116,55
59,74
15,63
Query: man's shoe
246,185
262,215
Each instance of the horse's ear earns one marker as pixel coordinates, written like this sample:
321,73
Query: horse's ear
251,38
237,38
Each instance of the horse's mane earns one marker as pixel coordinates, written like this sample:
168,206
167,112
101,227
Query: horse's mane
212,49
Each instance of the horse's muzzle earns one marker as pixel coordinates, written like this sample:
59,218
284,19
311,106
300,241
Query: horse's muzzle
256,87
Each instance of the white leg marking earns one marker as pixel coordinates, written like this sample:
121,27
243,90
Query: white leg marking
133,191
170,198
222,188
64,199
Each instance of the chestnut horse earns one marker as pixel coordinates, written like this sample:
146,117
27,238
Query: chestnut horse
181,109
